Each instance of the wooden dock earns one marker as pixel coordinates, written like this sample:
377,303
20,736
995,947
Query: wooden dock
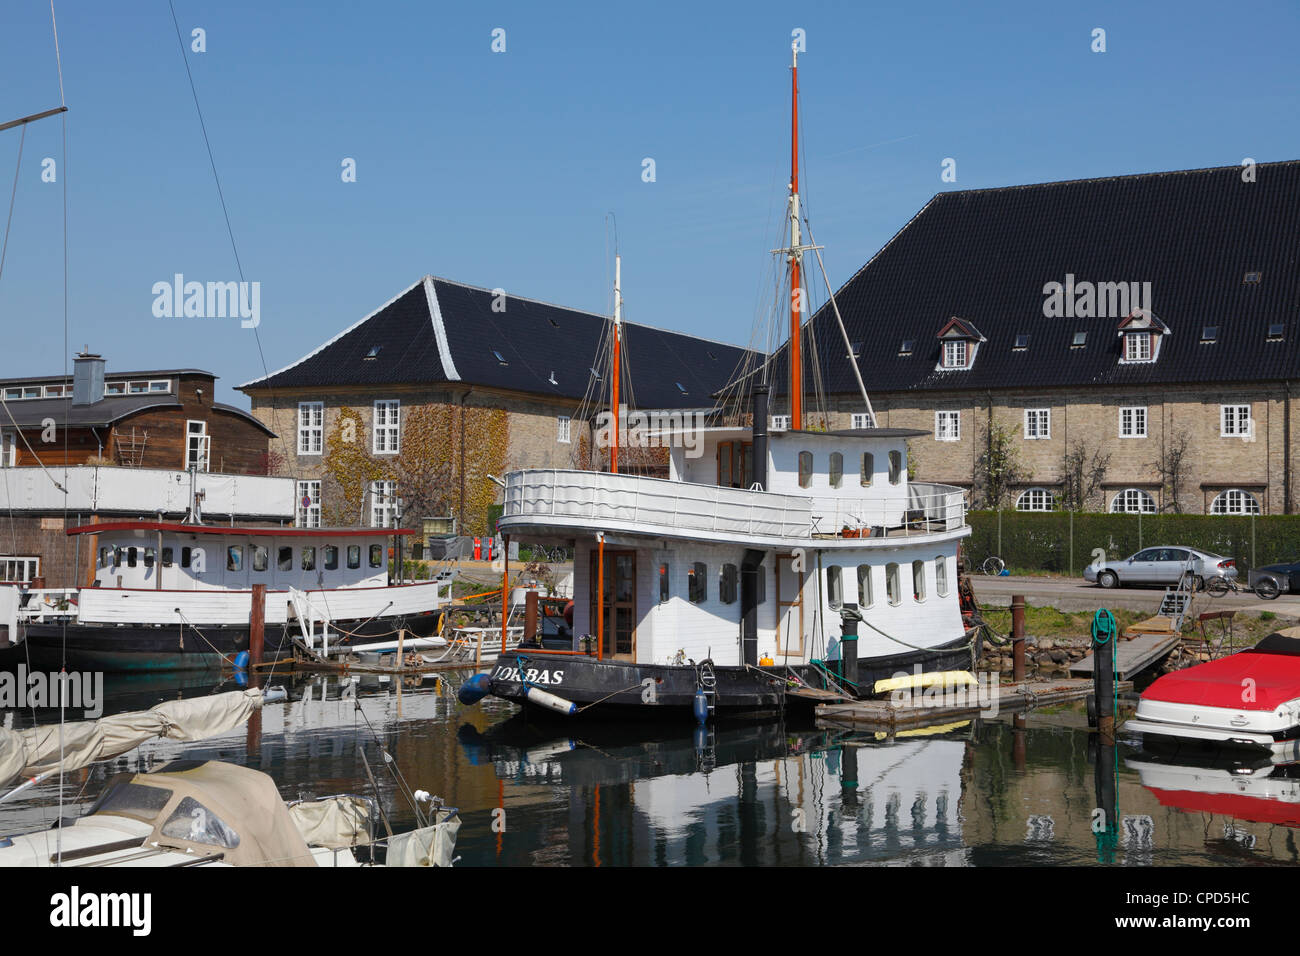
890,716
1132,655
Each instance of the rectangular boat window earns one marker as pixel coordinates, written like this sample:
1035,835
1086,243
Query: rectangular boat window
309,559
331,558
148,557
261,558
377,556
131,556
727,584
865,598
235,558
805,469
724,464
941,575
837,469
868,469
895,467
664,590
187,556
105,556
834,586
893,587
284,559
167,557
354,556
698,581
918,580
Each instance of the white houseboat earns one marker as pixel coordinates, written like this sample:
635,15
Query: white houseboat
178,596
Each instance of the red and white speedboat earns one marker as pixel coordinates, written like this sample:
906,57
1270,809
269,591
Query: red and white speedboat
1251,698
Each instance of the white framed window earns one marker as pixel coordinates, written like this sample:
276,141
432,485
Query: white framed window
8,449
893,585
780,423
562,429
1133,501
941,576
19,570
387,430
311,427
1036,499
866,596
918,580
862,420
383,504
308,504
1133,421
1234,421
1137,347
956,353
1038,423
947,426
198,446
895,467
1234,501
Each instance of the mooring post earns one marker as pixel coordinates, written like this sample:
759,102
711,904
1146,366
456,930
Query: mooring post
1018,637
256,628
1103,677
530,615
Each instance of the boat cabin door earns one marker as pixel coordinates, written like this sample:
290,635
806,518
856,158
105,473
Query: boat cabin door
620,603
789,606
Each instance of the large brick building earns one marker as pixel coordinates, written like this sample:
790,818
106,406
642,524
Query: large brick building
446,386
1147,322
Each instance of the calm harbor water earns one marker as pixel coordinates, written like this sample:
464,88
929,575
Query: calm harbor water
1000,791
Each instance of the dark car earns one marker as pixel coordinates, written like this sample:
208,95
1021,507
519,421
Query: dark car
1286,574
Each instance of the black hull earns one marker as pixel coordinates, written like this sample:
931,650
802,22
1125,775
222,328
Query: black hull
620,689
134,648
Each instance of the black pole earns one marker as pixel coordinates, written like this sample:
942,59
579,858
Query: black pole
849,618
751,567
760,436
1103,676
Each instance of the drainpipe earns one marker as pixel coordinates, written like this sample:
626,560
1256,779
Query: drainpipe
1286,450
464,396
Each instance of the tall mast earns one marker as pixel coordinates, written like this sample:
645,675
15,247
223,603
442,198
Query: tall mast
618,335
796,253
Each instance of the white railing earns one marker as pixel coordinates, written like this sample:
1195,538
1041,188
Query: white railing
926,509
634,502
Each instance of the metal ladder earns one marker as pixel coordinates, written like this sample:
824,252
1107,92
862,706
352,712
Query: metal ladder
1177,601
709,684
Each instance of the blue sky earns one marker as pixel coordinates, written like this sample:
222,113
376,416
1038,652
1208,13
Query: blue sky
499,169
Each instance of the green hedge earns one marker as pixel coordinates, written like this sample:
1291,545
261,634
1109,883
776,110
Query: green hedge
1062,542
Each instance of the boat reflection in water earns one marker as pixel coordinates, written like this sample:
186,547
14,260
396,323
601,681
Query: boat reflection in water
752,795
1236,787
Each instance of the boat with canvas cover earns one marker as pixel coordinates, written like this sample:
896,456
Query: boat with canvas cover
1248,699
199,813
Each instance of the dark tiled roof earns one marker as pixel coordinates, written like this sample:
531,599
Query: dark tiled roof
544,350
986,255
32,412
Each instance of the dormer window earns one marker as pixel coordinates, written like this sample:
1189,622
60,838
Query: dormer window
1137,347
1275,331
959,340
906,347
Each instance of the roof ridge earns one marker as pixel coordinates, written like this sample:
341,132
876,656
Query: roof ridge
1102,179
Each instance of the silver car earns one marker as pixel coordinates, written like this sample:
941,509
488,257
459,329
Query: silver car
1163,566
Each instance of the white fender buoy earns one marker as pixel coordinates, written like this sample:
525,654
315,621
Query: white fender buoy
552,702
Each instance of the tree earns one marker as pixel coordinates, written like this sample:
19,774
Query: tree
1172,466
1082,472
999,466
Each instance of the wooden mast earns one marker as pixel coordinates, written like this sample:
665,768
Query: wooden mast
796,294
618,335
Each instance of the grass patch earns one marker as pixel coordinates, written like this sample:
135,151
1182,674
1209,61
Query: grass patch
1247,629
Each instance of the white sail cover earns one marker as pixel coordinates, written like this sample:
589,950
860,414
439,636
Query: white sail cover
37,750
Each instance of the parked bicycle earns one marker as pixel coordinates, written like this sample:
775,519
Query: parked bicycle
1218,586
993,565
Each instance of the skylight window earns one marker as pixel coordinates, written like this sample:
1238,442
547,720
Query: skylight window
595,375
500,358
1276,330
374,351
907,346
554,324
1022,341
711,356
856,348
1252,278
681,388
1210,333
552,378
1080,340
